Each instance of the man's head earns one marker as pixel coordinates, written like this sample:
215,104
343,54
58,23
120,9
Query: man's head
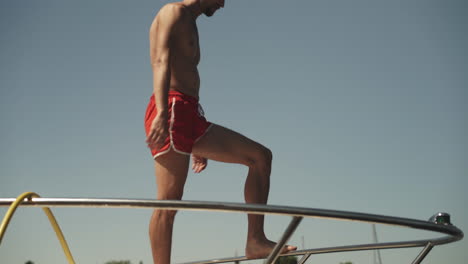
209,7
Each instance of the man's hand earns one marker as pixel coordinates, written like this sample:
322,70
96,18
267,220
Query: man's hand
198,163
158,132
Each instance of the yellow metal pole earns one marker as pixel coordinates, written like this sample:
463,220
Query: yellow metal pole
50,216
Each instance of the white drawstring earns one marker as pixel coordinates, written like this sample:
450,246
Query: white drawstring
200,110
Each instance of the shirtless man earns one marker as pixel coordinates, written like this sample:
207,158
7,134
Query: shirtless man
175,128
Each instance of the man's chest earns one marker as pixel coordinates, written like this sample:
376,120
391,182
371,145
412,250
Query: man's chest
188,41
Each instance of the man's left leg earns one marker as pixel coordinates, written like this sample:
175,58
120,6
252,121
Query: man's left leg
171,173
224,145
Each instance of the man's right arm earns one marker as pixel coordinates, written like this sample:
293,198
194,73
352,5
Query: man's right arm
161,45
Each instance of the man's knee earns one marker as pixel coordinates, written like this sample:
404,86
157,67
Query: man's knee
261,158
166,216
267,156
170,192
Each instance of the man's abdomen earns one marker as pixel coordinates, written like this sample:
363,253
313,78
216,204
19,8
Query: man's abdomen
185,79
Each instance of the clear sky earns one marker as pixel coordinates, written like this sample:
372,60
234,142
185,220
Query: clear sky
363,103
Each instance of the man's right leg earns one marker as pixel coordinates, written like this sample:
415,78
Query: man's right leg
171,173
224,145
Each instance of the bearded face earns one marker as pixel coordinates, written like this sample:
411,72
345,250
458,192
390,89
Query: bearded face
212,7
209,12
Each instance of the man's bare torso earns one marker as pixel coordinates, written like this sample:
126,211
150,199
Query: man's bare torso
185,51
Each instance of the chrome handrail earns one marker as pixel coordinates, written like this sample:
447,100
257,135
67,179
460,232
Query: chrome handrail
442,225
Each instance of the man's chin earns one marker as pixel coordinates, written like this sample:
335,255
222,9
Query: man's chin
209,12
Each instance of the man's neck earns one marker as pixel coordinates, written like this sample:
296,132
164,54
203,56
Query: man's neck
194,7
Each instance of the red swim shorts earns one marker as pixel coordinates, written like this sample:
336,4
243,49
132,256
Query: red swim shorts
186,123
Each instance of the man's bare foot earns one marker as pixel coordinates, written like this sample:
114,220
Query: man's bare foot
262,249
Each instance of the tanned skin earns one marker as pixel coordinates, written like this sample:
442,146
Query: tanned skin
175,55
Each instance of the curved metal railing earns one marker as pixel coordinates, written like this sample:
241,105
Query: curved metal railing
438,223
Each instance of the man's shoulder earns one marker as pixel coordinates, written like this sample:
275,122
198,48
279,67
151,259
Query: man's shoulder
172,10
